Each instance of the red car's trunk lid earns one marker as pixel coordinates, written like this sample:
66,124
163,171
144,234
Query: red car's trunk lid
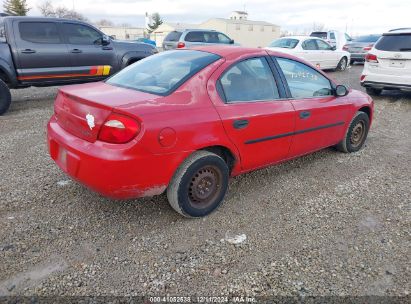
82,109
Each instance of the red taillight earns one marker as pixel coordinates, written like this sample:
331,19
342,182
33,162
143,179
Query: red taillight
181,45
119,129
362,77
368,48
371,58
345,48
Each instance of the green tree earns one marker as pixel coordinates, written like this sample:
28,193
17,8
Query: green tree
16,7
157,21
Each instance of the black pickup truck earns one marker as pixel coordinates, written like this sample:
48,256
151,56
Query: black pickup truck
47,52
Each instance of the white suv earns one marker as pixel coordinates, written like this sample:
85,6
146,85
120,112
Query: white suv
388,64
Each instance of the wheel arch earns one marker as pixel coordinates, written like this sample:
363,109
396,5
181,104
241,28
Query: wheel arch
366,110
225,153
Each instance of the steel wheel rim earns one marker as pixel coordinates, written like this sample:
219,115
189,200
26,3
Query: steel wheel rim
343,64
205,186
357,134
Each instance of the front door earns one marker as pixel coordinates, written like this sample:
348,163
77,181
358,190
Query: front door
320,116
255,116
330,57
311,53
40,53
89,58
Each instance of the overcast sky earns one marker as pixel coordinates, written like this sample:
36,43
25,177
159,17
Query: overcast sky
358,16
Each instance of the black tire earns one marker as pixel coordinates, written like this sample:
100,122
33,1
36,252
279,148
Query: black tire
343,64
5,97
356,134
199,185
373,91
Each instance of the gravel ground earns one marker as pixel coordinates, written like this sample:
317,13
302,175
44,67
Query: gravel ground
325,224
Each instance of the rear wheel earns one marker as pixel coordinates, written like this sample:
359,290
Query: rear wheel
356,134
342,65
199,185
373,92
5,97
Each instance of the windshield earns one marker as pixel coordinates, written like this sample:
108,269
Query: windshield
285,43
394,43
163,73
369,38
322,35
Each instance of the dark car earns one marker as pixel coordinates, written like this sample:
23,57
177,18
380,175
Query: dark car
360,46
48,52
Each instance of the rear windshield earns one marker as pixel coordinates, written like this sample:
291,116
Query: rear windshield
286,43
369,38
173,36
163,73
322,35
394,43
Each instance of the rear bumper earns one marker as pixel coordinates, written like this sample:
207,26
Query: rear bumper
115,171
386,86
358,57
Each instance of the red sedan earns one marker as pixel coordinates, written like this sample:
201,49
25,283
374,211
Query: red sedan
184,121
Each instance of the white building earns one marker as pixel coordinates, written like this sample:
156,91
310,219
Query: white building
123,33
246,32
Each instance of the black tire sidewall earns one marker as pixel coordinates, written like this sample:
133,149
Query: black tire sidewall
360,117
340,64
182,193
5,97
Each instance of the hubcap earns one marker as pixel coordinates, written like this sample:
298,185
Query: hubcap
357,134
205,186
343,64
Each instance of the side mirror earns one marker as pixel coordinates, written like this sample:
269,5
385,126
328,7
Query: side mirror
105,40
341,90
333,48
231,41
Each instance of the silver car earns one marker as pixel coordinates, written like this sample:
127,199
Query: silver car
360,46
194,37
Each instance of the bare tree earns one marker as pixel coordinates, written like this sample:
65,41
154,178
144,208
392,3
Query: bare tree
318,27
104,22
48,10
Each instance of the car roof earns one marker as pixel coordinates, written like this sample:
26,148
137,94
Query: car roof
399,31
44,19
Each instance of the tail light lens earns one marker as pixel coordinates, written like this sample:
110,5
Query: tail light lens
371,58
181,45
345,48
119,129
368,47
362,77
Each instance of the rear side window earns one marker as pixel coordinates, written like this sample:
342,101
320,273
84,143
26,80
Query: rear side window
249,80
39,32
81,34
309,45
394,43
303,81
195,37
285,43
173,36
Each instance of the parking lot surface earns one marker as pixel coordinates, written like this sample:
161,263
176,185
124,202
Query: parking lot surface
325,224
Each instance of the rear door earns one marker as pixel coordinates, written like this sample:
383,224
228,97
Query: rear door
194,38
40,52
320,116
255,116
90,59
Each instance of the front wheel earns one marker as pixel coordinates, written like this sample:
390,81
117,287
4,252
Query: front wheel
5,97
342,65
199,184
356,134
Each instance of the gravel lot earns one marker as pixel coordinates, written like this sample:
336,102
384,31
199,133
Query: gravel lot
325,224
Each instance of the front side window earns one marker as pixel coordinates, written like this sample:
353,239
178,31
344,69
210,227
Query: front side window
81,34
249,80
323,46
39,32
310,45
223,38
285,43
163,73
303,81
